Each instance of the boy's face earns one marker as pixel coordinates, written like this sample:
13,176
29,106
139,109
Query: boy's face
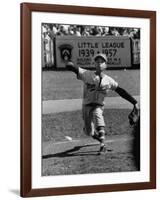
100,64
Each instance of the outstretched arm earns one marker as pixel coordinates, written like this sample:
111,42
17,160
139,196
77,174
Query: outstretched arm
70,66
135,114
123,93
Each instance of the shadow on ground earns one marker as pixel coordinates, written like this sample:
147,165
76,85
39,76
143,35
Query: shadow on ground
72,152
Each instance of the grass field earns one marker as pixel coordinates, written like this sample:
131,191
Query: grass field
64,85
56,126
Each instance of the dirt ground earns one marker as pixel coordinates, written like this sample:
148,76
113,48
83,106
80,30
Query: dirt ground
81,157
61,156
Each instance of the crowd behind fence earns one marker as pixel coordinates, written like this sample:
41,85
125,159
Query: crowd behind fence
50,31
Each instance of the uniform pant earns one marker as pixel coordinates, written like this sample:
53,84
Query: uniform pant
93,118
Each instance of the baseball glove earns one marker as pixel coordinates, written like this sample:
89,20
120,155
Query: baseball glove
134,116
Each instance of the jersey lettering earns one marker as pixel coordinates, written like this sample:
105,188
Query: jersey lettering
95,87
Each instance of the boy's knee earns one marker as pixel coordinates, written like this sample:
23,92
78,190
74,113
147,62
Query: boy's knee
101,132
100,128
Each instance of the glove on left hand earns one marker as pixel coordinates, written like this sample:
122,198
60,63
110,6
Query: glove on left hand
134,115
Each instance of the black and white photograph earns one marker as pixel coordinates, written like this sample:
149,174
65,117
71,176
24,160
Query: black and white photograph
90,99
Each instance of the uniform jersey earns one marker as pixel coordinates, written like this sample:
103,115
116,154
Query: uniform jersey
95,87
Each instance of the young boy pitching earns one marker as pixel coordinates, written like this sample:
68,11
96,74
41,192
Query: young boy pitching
96,86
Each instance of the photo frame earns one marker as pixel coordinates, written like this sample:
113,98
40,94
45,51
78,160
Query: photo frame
30,82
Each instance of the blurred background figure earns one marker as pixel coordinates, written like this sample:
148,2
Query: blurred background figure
54,30
85,31
105,31
63,30
97,31
135,33
70,30
114,32
77,30
47,46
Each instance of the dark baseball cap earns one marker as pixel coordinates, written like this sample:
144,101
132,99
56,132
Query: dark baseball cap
101,55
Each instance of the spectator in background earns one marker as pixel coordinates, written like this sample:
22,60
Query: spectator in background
135,33
97,31
125,32
85,31
63,30
82,30
46,46
70,30
132,33
44,28
77,30
54,30
105,31
114,32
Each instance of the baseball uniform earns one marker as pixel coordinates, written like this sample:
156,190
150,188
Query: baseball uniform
95,90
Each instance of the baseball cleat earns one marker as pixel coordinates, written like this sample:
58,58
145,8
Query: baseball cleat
102,149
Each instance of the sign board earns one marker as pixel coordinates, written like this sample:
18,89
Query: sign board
81,50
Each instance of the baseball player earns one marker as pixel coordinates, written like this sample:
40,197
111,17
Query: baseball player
96,86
